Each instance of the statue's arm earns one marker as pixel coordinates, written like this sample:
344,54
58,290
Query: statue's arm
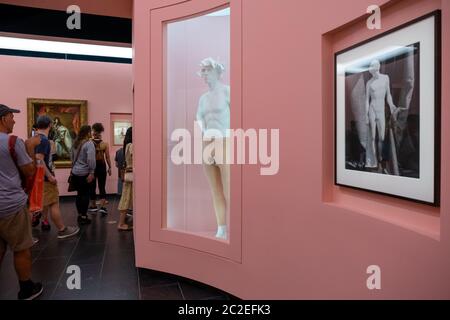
367,103
389,96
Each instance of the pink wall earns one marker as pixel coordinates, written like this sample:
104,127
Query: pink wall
106,87
114,8
302,237
189,42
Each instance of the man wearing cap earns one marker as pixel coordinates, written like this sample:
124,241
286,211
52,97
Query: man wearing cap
15,224
51,194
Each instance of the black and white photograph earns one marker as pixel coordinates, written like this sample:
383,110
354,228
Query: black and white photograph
386,111
382,108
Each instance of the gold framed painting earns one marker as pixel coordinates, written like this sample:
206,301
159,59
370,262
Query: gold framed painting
68,117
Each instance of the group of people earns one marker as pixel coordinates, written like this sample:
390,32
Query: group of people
90,158
20,159
91,164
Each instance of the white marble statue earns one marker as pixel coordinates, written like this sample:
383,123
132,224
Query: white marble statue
213,116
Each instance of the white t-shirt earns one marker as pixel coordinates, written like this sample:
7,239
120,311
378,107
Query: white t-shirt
12,196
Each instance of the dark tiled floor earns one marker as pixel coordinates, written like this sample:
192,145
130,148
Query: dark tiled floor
106,259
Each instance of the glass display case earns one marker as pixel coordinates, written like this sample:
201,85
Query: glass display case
197,119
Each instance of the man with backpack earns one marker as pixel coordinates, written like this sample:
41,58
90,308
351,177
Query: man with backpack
15,222
51,193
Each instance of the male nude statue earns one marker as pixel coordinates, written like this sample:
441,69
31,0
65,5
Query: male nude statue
377,92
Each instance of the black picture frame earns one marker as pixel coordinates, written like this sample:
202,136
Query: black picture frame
415,172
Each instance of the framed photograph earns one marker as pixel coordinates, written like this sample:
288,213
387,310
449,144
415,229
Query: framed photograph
120,124
68,116
387,112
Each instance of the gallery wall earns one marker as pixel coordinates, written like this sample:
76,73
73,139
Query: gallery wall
106,86
302,236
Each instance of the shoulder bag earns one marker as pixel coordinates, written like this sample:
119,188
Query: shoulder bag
71,180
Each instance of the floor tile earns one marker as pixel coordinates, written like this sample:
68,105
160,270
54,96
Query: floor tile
87,253
118,289
196,291
150,278
48,269
168,292
59,248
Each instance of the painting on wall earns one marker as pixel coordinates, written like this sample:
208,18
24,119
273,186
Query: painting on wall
68,117
120,125
387,112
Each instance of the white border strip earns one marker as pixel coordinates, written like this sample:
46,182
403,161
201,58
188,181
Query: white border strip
65,47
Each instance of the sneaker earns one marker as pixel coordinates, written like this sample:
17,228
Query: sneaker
32,293
45,226
83,220
35,240
103,210
93,209
68,232
35,219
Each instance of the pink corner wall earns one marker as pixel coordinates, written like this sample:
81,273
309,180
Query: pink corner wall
106,86
302,237
113,8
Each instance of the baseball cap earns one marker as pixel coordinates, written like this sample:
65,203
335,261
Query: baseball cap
4,110
43,122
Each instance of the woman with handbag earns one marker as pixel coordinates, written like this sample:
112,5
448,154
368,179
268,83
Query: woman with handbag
82,175
126,200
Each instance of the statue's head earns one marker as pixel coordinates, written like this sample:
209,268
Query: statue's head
374,67
211,70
